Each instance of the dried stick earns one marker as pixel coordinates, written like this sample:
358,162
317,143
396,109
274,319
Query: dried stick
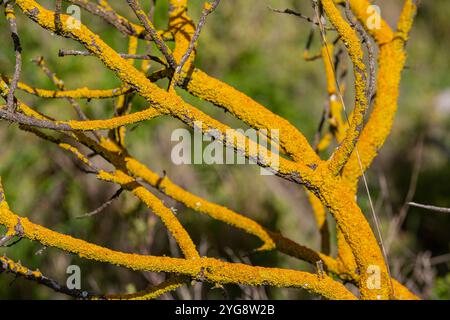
105,205
9,266
207,10
148,25
11,18
429,207
298,14
63,53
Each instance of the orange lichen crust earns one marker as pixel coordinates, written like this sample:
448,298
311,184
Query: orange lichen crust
104,10
80,93
392,58
161,100
361,8
351,41
150,293
197,203
205,269
338,129
167,216
183,28
11,266
119,156
254,114
357,232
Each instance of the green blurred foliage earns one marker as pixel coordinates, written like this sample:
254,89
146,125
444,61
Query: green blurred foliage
442,289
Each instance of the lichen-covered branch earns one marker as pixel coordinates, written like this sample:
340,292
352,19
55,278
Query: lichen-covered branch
353,44
204,269
392,58
10,266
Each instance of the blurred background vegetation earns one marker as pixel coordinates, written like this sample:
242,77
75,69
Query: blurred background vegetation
259,52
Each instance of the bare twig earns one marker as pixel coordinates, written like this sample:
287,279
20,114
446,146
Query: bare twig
9,266
148,25
400,218
40,62
63,53
429,207
207,10
308,44
370,51
320,269
58,9
4,240
103,206
298,14
92,169
19,118
117,21
440,259
11,18
318,135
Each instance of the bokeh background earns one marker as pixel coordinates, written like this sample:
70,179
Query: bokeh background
259,52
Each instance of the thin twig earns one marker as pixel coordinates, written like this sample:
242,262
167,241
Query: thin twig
11,18
400,218
318,135
58,10
5,240
430,207
103,206
298,14
119,22
151,11
440,259
207,10
23,119
308,44
148,25
9,266
59,83
40,62
370,50
63,53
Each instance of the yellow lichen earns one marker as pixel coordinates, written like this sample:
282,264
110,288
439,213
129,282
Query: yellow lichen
80,93
209,269
351,41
